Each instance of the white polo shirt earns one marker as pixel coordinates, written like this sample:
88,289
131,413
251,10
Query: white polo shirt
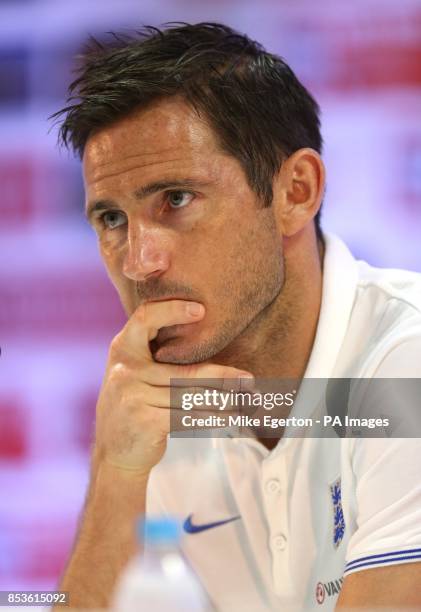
292,522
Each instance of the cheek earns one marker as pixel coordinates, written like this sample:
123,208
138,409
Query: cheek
113,262
112,247
111,243
109,257
252,240
252,257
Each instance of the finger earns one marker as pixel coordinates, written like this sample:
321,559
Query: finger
148,319
206,375
195,398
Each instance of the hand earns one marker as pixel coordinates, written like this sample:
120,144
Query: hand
133,416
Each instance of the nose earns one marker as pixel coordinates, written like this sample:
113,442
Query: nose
147,254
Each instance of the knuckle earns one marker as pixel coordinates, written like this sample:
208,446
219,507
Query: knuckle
178,307
119,373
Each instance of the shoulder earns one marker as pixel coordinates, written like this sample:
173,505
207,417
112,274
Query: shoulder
383,333
390,288
391,301
366,312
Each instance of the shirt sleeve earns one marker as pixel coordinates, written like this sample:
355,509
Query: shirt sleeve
387,478
388,503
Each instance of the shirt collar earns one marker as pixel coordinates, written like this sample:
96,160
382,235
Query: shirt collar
340,278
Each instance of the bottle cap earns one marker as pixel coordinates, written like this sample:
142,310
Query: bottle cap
159,530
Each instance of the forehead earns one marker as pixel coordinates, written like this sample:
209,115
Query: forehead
168,131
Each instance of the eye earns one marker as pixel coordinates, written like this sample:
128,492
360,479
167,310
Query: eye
112,219
179,199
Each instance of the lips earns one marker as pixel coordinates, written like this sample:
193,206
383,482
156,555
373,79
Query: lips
172,331
168,334
168,298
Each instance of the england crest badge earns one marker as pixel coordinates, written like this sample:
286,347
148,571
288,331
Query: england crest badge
338,513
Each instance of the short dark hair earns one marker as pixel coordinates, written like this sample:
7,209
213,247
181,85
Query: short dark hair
257,107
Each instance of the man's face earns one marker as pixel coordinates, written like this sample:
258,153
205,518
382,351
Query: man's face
175,218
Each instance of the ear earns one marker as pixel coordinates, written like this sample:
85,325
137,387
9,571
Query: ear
298,190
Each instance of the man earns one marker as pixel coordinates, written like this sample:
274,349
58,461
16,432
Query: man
203,175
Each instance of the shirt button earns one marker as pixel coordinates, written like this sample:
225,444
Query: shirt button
279,542
272,486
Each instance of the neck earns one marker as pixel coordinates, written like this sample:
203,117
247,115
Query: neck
278,343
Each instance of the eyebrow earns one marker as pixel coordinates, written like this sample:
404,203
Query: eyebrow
142,192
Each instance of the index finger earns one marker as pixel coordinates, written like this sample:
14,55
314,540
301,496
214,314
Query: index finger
146,321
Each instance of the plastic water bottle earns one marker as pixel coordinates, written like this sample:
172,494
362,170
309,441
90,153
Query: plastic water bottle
159,579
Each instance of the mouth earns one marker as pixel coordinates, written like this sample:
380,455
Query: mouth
168,335
168,298
173,331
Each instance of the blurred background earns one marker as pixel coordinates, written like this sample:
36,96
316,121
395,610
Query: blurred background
58,312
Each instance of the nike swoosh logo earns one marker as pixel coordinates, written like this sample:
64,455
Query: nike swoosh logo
190,528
